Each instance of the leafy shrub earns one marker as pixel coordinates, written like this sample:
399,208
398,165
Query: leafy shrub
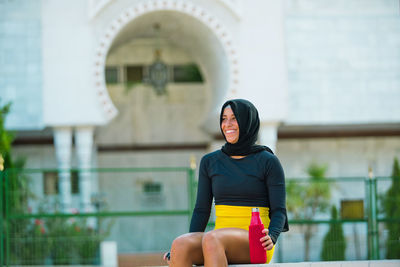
334,245
391,209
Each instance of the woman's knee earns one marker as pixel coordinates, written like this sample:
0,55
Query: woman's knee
187,242
187,249
210,241
181,243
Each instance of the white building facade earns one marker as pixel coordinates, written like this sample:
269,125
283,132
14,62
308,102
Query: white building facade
325,78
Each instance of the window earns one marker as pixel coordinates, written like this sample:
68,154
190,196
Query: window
112,75
188,73
352,209
74,182
152,197
134,74
50,183
152,187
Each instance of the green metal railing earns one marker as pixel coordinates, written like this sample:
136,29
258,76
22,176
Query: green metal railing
32,222
372,225
29,226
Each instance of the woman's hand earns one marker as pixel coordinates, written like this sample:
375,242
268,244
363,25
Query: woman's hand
167,257
266,240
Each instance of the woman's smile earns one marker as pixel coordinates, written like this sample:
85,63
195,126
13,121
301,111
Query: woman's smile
230,132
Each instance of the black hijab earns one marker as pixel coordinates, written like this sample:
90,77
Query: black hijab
249,123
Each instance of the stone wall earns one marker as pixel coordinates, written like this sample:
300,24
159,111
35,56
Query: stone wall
21,63
343,61
346,157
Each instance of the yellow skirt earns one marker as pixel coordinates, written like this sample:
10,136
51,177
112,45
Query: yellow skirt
239,217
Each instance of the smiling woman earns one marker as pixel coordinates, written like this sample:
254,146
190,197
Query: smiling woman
239,176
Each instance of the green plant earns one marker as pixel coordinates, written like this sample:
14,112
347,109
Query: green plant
17,186
31,244
391,209
88,247
61,232
304,201
75,241
334,245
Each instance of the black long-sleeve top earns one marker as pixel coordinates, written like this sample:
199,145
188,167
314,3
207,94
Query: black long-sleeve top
256,180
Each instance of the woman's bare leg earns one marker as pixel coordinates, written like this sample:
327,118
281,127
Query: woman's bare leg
186,250
225,245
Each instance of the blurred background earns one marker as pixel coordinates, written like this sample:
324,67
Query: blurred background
107,107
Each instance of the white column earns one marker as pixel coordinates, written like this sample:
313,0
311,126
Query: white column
84,145
109,254
268,135
63,144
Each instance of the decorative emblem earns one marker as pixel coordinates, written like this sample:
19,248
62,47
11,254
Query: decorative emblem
158,74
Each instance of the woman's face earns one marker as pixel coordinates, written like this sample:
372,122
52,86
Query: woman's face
229,126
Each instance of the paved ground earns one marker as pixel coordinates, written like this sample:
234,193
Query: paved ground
145,259
155,259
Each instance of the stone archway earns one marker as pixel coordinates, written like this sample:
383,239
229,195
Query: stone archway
225,80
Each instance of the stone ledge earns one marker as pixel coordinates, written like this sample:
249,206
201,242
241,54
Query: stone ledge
375,263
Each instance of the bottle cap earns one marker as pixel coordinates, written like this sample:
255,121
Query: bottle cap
255,210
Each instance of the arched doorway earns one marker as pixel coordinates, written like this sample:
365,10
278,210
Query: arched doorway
175,113
184,25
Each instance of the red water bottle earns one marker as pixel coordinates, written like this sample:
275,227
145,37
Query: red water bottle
257,252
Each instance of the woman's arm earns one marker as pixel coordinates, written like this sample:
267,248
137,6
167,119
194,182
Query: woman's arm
275,182
202,209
